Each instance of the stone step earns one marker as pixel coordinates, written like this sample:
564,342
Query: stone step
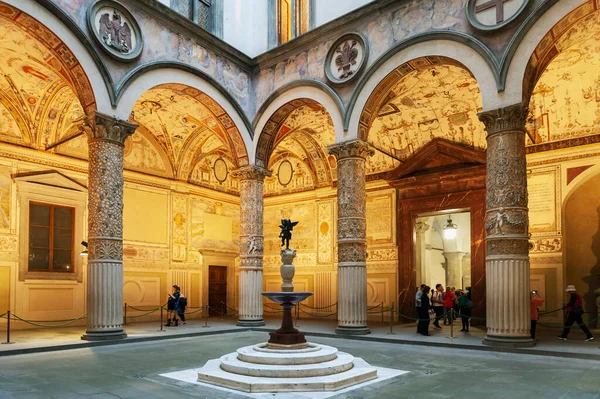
212,373
232,364
260,354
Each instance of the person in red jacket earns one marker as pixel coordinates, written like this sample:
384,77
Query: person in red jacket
574,313
448,305
535,303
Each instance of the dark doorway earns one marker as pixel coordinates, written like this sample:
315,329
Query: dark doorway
217,290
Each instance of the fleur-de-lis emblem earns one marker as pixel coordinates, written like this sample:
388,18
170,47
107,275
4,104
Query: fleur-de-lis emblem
346,58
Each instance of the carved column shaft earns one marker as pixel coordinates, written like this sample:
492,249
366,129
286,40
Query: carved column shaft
507,259
422,275
105,228
251,245
352,236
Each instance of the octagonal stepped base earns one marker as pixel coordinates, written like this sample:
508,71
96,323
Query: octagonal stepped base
261,369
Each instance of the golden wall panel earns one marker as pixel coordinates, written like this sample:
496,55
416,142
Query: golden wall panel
4,289
145,216
146,287
179,223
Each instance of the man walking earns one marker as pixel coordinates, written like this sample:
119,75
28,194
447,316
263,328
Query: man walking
574,315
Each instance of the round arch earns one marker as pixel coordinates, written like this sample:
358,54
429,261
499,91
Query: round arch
472,59
150,76
517,69
88,68
290,96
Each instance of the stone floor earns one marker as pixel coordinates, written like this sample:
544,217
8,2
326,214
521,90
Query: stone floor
133,371
36,340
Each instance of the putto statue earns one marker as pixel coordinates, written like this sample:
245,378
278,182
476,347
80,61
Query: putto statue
115,33
286,232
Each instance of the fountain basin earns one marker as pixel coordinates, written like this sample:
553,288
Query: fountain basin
283,297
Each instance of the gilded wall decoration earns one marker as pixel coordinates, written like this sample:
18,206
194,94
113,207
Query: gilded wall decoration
9,243
5,198
423,99
300,177
206,175
325,231
380,219
304,235
544,199
220,228
545,244
179,226
565,102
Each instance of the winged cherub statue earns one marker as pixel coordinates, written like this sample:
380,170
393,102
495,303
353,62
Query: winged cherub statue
286,232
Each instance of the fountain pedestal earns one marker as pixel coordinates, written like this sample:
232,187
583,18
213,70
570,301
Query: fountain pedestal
287,335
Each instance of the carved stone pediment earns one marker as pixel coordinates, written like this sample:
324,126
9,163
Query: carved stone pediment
50,178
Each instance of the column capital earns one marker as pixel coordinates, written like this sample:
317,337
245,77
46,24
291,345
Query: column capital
251,172
110,128
421,227
509,118
351,149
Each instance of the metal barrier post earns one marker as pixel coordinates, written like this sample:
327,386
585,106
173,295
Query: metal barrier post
451,324
8,328
206,316
125,314
161,318
391,318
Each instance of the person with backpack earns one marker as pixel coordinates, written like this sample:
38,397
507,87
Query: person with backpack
448,305
574,315
180,305
170,308
464,308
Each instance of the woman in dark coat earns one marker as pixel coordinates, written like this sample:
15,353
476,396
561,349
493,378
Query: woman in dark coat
423,313
464,307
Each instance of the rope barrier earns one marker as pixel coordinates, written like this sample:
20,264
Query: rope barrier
320,307
315,315
33,323
143,314
143,310
571,326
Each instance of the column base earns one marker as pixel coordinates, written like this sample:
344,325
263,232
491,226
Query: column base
508,342
343,330
250,323
103,336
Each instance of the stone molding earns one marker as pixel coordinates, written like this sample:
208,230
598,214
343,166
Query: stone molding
110,128
351,149
511,118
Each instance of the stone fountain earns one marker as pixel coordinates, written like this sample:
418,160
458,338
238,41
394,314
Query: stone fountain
287,362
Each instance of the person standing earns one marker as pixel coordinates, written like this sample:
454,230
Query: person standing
448,305
574,315
438,304
418,297
423,313
535,303
464,307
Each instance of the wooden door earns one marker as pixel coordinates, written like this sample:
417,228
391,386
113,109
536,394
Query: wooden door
217,290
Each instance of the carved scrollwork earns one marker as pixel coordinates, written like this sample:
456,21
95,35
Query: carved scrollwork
110,128
351,149
507,246
511,118
105,249
251,173
352,252
506,221
352,228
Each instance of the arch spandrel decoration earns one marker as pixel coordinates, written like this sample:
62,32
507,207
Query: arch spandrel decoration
561,81
60,59
422,99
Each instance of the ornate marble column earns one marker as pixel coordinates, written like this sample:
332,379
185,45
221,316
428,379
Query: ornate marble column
506,224
105,227
251,245
422,275
352,236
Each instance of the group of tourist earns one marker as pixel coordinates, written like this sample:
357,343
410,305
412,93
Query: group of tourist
176,305
444,304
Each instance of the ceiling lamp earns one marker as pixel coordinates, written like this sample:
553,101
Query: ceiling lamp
450,230
85,251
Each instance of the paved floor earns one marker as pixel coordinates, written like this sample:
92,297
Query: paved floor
132,371
35,340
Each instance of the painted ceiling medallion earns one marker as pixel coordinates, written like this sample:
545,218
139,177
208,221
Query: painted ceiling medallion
115,29
220,170
346,58
494,14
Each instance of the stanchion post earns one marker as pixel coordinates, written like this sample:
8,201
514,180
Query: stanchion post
161,318
451,324
391,318
8,328
206,308
382,311
125,315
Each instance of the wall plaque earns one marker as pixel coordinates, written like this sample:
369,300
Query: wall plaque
346,58
115,29
494,14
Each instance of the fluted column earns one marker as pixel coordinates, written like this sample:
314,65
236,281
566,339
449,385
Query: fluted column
506,224
251,245
105,227
352,236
